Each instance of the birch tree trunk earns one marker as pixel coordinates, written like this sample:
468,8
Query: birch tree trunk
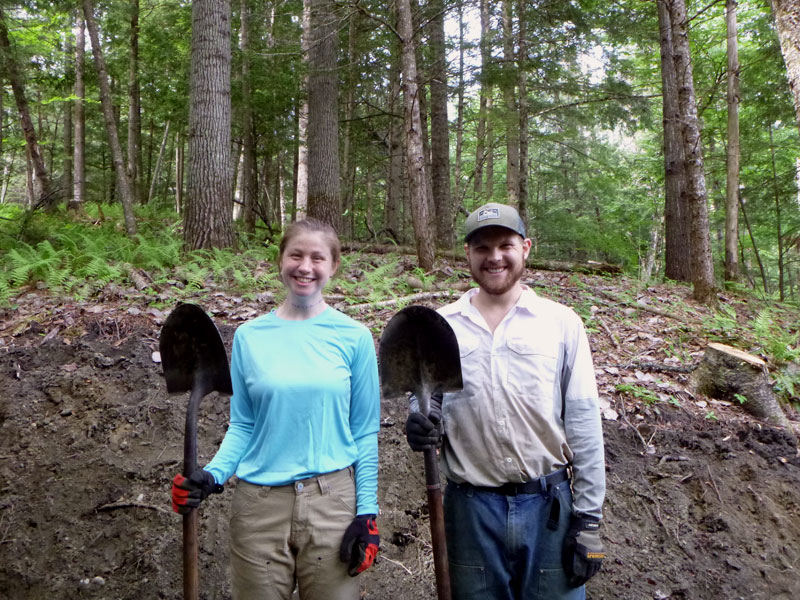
704,289
787,24
415,161
301,186
323,116
209,207
68,130
79,120
677,251
732,185
440,131
42,192
120,170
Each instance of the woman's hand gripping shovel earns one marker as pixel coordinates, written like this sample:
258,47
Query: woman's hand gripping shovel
194,358
418,353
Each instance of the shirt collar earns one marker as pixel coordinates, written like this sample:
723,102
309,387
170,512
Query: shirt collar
527,300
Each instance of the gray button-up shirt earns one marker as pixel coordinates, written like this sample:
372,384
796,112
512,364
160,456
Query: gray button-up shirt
529,405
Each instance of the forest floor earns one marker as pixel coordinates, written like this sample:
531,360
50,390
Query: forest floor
703,500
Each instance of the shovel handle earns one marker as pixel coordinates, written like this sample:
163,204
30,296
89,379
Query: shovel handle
436,512
190,520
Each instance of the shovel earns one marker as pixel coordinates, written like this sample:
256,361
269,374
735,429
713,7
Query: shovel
418,353
194,358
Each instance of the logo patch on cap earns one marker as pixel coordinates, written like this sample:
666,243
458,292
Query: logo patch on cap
488,213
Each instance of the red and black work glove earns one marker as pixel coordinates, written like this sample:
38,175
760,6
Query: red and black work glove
582,554
188,493
424,432
360,544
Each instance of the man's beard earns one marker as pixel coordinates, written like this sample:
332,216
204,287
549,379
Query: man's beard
492,286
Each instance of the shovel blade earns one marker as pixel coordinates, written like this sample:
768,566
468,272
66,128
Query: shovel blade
418,351
192,352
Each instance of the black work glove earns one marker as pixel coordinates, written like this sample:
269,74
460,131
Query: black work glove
424,432
360,544
188,493
582,554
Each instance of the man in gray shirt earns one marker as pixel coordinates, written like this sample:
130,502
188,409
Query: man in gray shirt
522,443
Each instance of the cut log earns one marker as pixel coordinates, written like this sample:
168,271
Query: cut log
727,373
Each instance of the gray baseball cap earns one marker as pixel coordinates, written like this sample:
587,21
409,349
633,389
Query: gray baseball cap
493,213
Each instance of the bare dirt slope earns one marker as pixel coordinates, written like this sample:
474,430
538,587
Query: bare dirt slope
702,500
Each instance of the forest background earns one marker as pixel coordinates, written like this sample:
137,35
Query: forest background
199,129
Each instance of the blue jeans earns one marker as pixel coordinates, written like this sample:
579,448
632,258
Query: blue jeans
501,547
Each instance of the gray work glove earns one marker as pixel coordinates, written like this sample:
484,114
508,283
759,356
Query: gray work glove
424,432
582,554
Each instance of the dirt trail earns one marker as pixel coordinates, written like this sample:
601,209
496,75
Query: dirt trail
697,508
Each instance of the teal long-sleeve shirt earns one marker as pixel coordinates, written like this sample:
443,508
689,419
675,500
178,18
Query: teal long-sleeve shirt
305,402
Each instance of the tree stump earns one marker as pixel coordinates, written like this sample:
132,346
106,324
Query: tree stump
727,373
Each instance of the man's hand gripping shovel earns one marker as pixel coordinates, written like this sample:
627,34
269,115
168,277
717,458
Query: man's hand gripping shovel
194,358
418,353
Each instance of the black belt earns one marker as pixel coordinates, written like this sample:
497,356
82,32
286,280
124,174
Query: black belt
535,486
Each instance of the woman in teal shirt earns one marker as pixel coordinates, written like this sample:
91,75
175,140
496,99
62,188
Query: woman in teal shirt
302,439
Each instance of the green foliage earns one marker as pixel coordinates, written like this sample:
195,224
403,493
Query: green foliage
638,392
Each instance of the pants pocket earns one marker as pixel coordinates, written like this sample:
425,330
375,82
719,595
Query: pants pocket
468,582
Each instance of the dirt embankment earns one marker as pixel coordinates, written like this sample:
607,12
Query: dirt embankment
697,508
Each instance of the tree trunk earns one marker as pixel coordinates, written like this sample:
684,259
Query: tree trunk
348,163
209,207
522,83
68,130
732,186
42,191
415,162
440,130
787,24
123,182
480,142
511,109
778,225
702,266
248,187
323,115
395,190
179,168
677,262
457,172
301,187
134,108
727,373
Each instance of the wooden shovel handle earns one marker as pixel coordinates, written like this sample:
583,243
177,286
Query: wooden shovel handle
190,576
434,487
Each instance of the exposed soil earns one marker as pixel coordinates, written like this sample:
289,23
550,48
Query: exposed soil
702,499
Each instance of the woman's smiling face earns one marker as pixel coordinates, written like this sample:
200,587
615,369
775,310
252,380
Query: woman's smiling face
306,265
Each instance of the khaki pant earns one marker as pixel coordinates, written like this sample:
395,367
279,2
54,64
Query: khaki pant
290,533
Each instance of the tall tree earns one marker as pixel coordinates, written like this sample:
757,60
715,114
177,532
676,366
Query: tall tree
732,187
120,171
415,154
522,84
323,115
483,106
440,130
248,190
79,120
787,24
42,192
511,109
704,289
301,171
67,132
209,206
134,105
677,251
